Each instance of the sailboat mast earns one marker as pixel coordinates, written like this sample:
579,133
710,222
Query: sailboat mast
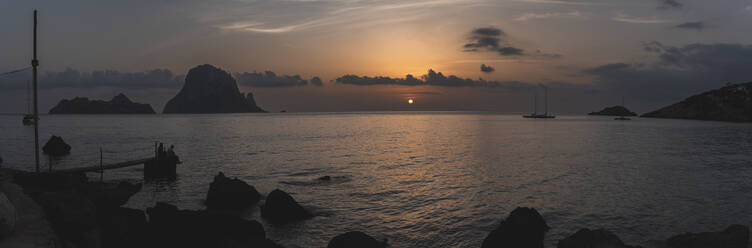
34,64
535,101
28,97
546,95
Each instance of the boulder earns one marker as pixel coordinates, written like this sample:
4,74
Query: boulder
171,227
355,239
230,194
280,207
8,216
734,236
72,215
123,227
208,89
523,228
325,178
56,147
586,238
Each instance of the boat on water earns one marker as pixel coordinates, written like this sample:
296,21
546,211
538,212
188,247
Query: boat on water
535,107
622,118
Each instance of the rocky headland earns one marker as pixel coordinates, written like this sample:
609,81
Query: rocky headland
730,103
614,111
119,104
208,89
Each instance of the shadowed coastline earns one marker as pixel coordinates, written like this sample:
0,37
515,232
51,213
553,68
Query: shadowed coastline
82,213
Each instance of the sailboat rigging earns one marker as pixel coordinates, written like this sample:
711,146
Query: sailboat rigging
535,106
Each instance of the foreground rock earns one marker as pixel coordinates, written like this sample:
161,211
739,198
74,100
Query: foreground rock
8,216
730,103
355,240
230,194
208,89
119,104
614,111
735,236
586,238
280,207
170,227
523,228
55,146
32,229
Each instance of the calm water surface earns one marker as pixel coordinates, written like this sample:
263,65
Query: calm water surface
432,179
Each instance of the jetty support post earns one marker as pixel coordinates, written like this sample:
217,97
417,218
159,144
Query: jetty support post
34,64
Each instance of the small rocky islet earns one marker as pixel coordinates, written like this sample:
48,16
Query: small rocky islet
120,104
614,111
81,213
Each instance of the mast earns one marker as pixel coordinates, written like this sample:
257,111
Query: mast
34,64
28,97
535,101
546,95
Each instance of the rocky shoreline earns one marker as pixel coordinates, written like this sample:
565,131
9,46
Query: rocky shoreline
68,210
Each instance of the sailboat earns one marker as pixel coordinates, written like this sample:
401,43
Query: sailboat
535,107
622,118
28,118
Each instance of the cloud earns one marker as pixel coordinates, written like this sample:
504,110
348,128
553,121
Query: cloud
532,16
486,68
678,71
670,4
269,79
71,78
699,26
432,78
621,17
491,39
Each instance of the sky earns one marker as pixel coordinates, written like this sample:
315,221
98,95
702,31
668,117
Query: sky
357,55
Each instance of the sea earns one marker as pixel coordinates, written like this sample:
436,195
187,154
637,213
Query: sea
427,179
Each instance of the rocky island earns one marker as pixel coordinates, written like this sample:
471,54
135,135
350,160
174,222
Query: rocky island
614,111
119,104
730,103
208,89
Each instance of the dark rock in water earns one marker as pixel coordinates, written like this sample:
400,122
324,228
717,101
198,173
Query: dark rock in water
170,227
735,236
523,228
586,238
280,207
615,111
208,89
73,216
325,178
730,103
230,194
355,240
119,104
55,146
123,227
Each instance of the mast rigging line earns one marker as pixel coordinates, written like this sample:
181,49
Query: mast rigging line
14,71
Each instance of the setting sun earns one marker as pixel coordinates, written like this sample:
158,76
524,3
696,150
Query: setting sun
410,101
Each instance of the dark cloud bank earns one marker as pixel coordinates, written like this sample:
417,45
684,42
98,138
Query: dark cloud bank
432,78
152,79
486,68
491,39
678,72
669,4
699,26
